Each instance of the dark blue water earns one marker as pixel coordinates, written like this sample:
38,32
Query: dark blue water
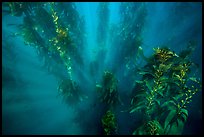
31,103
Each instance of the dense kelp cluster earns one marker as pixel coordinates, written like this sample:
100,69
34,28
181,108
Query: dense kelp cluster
167,84
165,90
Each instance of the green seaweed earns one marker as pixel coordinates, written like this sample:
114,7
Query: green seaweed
108,90
165,90
109,123
55,42
150,128
70,91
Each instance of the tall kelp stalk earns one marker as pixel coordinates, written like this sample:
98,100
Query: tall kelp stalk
108,91
97,65
166,88
128,35
55,42
76,25
103,24
127,39
109,96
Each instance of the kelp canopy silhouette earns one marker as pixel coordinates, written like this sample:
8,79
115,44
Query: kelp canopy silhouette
164,91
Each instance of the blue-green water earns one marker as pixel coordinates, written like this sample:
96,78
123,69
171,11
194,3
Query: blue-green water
105,39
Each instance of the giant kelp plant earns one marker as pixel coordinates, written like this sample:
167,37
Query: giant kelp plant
109,96
43,29
108,90
128,35
97,64
103,23
164,91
